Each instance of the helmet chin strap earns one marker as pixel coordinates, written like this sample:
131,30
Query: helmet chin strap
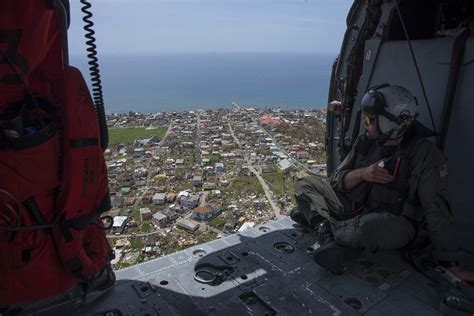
383,139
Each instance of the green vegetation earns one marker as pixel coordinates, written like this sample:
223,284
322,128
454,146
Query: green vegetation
245,186
278,183
136,215
218,222
188,151
146,227
170,244
121,266
214,158
128,135
136,243
313,130
205,237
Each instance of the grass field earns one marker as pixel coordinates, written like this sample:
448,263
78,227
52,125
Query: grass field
278,183
218,222
146,227
128,135
245,186
136,243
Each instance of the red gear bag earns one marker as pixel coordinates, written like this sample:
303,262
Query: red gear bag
53,178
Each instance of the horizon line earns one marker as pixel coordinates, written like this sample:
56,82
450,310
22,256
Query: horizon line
205,53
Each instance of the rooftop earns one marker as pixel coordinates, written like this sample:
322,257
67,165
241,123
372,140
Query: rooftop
119,220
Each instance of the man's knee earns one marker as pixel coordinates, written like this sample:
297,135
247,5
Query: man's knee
311,199
308,184
377,231
349,234
301,184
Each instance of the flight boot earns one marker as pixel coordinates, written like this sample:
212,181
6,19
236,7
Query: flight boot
329,254
296,216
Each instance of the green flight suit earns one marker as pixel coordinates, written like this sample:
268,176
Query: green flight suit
360,218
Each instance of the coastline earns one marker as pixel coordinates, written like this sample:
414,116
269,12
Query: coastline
190,81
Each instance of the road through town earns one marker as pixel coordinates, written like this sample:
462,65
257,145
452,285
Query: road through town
265,187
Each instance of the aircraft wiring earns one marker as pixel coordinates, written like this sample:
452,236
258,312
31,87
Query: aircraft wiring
402,21
19,228
25,228
94,71
11,209
23,80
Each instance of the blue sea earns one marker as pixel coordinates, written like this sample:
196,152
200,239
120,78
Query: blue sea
176,82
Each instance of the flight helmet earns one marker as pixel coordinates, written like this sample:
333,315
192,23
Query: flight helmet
393,108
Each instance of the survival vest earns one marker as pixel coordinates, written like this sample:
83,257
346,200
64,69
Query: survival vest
53,177
388,197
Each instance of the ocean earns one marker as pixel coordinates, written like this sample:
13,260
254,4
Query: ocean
176,82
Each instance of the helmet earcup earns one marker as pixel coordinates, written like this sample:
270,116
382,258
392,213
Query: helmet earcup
385,126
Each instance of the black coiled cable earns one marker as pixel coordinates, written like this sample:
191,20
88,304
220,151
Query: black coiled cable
95,73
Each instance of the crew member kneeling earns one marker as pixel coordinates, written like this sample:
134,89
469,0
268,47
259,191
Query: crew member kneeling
392,180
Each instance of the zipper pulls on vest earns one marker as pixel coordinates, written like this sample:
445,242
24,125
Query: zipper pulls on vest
384,161
395,170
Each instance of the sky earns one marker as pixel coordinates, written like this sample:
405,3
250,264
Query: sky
212,26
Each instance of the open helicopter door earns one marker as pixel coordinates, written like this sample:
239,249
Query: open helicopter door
408,49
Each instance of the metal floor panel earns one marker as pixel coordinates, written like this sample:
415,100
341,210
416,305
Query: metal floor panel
267,270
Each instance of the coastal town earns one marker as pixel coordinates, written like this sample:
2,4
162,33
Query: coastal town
178,179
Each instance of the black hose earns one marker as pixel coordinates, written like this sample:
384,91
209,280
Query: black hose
95,73
402,22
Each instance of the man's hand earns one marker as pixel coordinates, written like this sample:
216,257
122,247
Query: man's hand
375,173
301,174
335,106
461,274
372,173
